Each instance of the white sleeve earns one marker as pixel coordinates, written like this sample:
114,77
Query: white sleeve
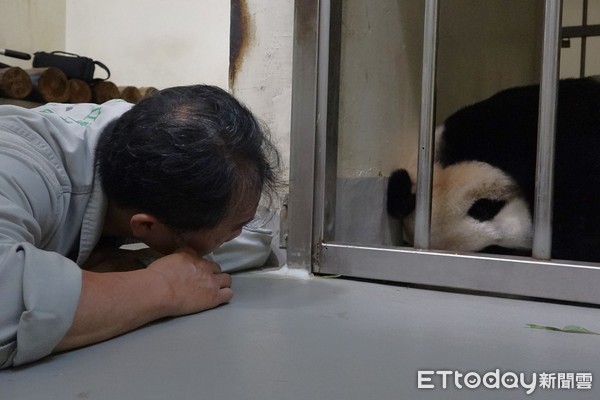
39,290
249,250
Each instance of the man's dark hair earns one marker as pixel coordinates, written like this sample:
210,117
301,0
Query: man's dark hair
185,155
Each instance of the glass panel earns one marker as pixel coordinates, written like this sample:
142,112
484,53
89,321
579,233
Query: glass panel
570,58
572,12
379,110
594,12
484,47
592,59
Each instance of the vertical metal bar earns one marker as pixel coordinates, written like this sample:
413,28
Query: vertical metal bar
322,169
584,19
302,140
425,158
542,237
328,119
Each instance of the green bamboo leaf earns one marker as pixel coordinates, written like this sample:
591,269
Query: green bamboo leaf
566,329
578,329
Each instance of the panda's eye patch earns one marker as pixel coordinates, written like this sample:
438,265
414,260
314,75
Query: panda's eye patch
486,209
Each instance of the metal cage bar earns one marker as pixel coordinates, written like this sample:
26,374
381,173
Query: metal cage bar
584,22
580,31
425,160
324,160
302,140
542,220
568,280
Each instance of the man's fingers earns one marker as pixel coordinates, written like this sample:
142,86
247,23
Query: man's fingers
187,250
200,263
224,280
214,267
225,295
207,266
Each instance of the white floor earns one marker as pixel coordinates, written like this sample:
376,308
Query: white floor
317,338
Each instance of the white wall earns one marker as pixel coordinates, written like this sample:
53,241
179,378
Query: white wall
153,42
264,78
144,42
31,25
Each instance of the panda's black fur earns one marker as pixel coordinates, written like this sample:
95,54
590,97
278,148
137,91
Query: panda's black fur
502,132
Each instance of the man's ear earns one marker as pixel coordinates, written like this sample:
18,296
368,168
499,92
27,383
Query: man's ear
143,225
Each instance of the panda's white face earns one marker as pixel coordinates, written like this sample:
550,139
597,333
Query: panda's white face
475,205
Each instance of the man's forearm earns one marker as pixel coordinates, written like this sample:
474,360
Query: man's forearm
112,303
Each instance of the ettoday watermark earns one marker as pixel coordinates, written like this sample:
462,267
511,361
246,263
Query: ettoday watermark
497,379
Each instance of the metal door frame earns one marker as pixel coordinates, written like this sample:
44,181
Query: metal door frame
313,171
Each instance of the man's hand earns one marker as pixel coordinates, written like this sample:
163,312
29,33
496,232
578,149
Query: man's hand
112,303
195,284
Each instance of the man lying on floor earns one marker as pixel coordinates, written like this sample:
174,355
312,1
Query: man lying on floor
182,172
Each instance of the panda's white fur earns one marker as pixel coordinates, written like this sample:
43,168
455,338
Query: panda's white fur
454,191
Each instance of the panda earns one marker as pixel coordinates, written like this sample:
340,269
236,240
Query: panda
484,175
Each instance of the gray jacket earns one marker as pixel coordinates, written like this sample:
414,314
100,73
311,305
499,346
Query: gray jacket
51,214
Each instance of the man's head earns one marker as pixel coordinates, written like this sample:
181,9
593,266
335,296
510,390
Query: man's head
191,157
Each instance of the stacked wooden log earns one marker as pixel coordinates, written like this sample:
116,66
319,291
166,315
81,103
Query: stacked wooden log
50,84
14,83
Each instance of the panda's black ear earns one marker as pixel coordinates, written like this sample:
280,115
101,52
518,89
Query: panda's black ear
400,199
